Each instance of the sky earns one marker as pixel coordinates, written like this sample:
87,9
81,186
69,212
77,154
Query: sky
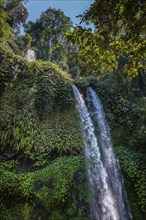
71,8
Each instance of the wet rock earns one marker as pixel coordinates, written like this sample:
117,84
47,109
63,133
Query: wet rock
8,153
25,165
40,184
85,207
9,156
79,178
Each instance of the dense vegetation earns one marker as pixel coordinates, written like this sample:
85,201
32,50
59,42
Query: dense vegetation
38,125
49,40
119,33
41,152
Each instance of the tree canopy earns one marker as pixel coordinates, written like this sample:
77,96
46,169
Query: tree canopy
48,32
119,32
4,27
17,13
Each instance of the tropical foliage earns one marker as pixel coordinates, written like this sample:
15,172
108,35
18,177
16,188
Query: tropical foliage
4,27
119,33
49,41
17,13
42,163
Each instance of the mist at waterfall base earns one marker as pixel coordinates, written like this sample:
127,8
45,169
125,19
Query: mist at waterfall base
106,187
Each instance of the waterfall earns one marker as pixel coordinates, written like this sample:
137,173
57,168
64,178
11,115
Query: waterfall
30,55
108,197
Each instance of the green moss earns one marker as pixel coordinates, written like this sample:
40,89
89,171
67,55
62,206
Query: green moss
38,121
134,169
17,211
59,133
52,187
135,208
5,213
13,67
83,189
37,112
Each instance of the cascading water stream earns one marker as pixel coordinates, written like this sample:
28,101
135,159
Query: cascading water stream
104,204
108,157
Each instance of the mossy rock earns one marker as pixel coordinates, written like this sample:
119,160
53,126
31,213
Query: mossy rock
52,190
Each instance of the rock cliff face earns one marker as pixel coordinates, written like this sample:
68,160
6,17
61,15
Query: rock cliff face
41,152
42,166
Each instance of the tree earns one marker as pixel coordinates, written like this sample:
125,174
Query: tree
49,39
17,13
48,32
119,32
4,27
